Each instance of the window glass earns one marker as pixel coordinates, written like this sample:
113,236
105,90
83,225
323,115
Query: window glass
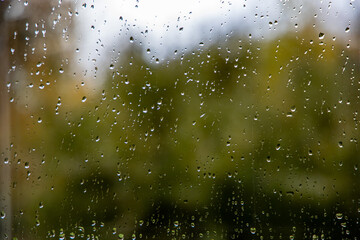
179,119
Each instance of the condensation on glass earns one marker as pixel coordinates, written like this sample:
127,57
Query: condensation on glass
179,119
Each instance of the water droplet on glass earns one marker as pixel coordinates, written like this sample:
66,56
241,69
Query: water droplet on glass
339,216
321,35
83,99
347,29
253,230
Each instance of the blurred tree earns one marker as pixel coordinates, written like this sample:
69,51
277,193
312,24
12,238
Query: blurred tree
5,170
238,139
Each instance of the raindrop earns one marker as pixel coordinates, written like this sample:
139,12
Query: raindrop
321,35
253,230
84,99
339,216
347,29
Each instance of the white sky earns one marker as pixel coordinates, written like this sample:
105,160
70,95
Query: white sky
200,20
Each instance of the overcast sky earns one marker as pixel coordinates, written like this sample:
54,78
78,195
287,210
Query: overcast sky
164,26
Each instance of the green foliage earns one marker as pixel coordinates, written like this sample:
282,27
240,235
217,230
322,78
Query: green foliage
239,135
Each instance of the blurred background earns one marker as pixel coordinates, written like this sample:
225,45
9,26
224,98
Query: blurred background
179,119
